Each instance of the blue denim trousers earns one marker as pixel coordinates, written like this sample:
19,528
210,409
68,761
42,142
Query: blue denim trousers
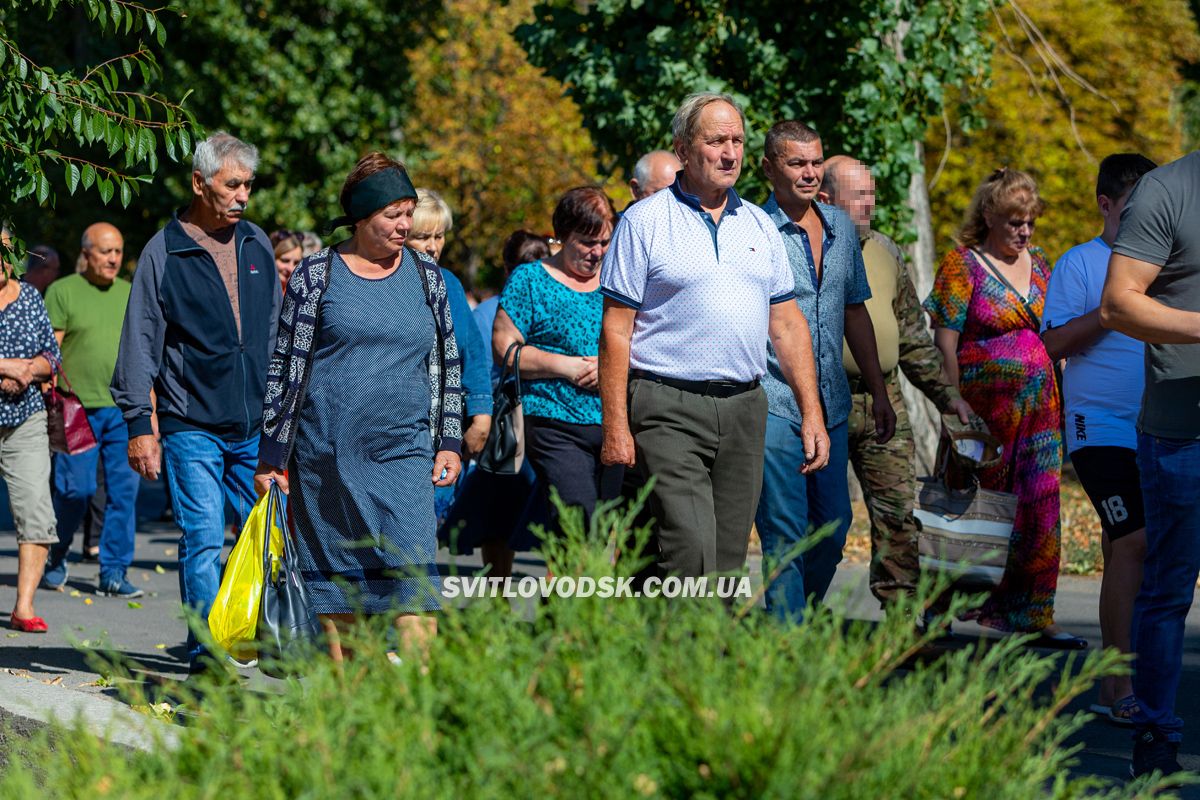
791,507
75,483
205,471
1170,470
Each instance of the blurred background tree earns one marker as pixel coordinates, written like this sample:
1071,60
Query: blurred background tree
81,113
491,133
1072,81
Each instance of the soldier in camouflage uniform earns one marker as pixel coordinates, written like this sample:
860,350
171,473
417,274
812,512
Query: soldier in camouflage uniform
886,471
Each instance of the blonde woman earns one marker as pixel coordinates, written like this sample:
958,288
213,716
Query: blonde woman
986,307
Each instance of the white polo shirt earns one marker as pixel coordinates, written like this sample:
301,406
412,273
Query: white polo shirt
703,291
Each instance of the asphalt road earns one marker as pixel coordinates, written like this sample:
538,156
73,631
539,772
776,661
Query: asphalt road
150,634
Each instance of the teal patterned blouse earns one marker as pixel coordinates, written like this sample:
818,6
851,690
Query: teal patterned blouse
557,319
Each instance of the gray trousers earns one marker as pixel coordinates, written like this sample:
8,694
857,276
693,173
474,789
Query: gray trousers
706,454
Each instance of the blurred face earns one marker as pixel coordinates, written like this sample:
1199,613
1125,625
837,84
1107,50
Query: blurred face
227,194
796,172
385,232
1009,234
856,196
429,242
582,255
102,258
713,160
285,263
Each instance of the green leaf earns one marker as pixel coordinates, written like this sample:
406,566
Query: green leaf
161,35
22,67
72,177
185,142
126,65
89,176
105,185
43,189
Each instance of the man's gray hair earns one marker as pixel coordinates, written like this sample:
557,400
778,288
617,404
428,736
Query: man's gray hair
687,119
220,147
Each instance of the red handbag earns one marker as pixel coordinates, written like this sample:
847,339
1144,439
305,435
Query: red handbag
66,421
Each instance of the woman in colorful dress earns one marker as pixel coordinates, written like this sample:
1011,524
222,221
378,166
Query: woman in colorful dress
364,410
986,307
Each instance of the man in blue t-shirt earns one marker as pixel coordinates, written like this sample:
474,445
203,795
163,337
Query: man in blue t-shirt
1102,393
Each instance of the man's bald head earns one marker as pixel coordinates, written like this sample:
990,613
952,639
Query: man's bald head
653,172
848,184
103,247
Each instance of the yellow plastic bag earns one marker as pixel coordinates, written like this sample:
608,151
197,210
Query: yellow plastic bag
233,618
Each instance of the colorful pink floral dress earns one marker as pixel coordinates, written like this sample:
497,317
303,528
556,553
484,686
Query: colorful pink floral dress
1007,377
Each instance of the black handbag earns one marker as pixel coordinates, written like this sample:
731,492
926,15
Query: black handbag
287,627
504,451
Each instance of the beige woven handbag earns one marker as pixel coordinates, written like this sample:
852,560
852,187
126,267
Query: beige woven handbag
964,533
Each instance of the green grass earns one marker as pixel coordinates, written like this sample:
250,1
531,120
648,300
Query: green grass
615,699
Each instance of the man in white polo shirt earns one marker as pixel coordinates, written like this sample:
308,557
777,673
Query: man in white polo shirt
696,281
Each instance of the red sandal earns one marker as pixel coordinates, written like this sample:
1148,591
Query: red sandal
30,625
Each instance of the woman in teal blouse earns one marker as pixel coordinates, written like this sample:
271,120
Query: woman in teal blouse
553,308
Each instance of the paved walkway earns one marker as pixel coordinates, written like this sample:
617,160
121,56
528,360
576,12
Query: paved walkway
149,632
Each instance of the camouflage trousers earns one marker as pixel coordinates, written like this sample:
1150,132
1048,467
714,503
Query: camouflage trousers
887,474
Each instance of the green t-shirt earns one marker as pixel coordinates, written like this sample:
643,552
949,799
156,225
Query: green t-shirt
91,317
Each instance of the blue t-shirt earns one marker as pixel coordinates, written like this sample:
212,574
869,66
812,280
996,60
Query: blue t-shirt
1102,386
556,319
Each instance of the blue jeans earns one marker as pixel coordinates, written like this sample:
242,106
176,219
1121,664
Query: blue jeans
793,505
203,472
1170,470
75,483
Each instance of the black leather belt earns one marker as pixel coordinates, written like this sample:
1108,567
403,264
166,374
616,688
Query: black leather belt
705,388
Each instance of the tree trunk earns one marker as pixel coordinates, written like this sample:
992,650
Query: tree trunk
926,423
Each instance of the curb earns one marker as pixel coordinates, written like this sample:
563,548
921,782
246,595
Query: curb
107,719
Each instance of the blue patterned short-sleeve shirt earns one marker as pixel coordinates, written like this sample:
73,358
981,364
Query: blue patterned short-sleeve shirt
843,282
25,332
557,319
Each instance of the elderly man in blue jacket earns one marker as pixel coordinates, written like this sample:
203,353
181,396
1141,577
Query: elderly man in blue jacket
191,369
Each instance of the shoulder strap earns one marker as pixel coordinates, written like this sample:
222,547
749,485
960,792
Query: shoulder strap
1037,322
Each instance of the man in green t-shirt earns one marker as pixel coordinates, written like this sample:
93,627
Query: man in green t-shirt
87,310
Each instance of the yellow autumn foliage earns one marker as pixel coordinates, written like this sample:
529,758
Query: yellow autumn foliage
489,132
1126,58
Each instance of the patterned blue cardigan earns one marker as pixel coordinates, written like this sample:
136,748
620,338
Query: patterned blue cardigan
299,320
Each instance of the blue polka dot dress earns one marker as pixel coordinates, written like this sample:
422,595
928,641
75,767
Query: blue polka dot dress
362,497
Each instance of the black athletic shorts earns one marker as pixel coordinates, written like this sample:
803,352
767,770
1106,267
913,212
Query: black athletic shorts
1111,479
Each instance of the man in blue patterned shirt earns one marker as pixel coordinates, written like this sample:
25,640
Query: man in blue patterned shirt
831,290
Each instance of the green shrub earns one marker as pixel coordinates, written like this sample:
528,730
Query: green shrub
615,698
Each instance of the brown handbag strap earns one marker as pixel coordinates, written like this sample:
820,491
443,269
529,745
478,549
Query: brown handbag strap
977,436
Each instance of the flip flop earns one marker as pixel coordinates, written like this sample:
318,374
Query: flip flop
1059,641
1121,712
